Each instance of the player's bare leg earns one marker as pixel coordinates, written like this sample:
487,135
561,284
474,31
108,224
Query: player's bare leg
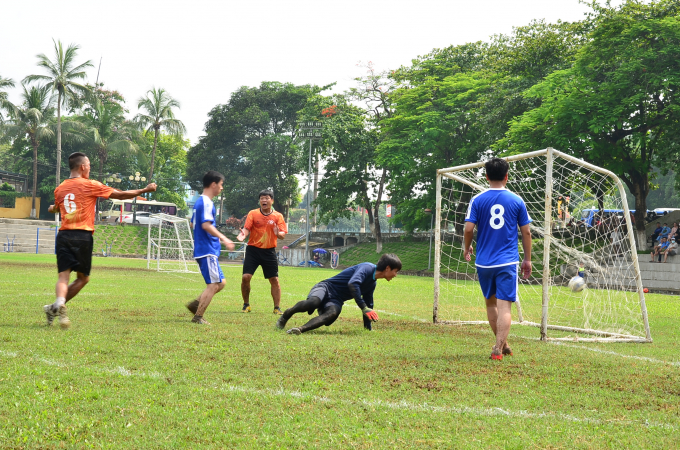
276,293
492,316
77,284
245,291
502,326
65,292
206,297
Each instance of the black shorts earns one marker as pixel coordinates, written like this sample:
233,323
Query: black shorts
320,290
74,251
265,257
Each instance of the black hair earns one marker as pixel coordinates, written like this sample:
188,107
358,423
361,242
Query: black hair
496,169
75,160
212,176
388,260
268,192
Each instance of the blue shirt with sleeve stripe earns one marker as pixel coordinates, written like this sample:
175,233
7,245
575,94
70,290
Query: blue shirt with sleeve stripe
356,282
205,244
497,213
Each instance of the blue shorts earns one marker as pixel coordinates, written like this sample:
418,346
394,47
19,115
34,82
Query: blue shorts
499,281
210,269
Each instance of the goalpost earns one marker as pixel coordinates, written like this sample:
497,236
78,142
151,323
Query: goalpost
170,246
581,221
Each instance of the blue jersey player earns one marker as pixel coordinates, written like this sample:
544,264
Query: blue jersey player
327,297
207,246
497,213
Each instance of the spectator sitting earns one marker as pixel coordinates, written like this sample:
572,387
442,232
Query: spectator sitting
672,250
657,232
674,230
665,231
660,249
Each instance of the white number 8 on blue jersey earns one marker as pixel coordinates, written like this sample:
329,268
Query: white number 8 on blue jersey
497,215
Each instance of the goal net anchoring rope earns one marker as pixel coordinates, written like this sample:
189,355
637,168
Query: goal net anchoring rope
170,246
580,218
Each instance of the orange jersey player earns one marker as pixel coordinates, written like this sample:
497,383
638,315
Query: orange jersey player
265,226
75,200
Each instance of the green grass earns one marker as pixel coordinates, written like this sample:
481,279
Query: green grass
413,255
133,372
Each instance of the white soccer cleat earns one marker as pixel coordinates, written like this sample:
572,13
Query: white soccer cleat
64,321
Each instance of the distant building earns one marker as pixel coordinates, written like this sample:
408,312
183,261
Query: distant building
17,180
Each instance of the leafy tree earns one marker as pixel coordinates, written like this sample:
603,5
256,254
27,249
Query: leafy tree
171,164
62,76
4,102
107,129
33,119
158,105
252,141
349,151
454,103
618,106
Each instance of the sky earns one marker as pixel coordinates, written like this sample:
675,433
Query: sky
201,51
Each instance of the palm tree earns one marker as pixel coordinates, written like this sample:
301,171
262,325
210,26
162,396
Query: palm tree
158,115
33,118
4,102
62,77
108,130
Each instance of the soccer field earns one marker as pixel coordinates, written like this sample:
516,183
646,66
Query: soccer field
133,372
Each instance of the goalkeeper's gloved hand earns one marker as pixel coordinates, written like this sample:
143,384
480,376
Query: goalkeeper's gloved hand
367,323
368,312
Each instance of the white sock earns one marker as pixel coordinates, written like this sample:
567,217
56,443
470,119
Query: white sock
60,301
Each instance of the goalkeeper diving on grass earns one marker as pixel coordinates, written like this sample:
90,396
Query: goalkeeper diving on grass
327,297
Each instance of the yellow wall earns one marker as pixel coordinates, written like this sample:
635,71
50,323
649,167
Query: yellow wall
21,210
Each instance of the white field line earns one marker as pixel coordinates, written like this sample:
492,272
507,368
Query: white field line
582,347
401,406
621,355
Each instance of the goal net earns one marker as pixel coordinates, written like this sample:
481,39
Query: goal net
170,246
581,222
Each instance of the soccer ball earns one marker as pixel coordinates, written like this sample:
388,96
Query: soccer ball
577,284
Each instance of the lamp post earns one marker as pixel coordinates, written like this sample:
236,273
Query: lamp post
311,131
110,178
136,178
429,254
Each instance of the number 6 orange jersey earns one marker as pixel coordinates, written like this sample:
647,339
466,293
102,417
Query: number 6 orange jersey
76,199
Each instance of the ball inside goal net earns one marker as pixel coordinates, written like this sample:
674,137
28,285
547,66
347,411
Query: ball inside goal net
581,225
170,246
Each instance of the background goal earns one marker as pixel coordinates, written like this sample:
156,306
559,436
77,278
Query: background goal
170,246
580,218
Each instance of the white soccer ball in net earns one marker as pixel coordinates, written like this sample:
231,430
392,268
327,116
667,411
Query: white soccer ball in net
577,284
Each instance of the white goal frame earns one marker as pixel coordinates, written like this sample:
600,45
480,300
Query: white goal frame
549,154
176,246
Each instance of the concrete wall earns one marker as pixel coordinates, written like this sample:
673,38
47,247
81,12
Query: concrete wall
21,210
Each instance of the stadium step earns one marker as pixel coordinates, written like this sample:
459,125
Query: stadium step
22,235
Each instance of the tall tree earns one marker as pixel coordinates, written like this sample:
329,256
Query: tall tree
252,140
4,101
618,106
33,119
62,76
158,105
348,147
106,127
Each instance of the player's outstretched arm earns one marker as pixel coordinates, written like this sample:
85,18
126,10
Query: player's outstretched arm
468,234
210,229
526,244
126,195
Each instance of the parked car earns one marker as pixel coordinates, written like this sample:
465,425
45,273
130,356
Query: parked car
142,218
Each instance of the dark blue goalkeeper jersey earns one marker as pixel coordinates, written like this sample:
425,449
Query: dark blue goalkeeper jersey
356,282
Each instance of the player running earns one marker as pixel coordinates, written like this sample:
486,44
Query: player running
207,247
356,282
497,212
75,199
265,226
